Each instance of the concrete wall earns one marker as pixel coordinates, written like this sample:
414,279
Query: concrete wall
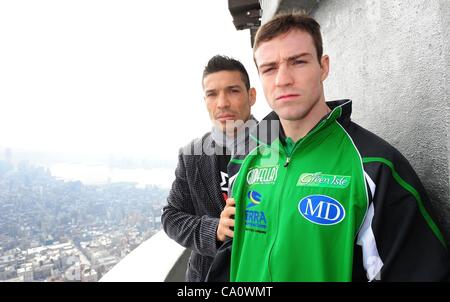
391,57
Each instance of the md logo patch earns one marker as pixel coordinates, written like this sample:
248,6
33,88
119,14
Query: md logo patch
321,209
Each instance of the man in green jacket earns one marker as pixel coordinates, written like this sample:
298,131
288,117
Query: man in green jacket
323,199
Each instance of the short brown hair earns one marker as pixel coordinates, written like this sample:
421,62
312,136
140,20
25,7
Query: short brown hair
283,23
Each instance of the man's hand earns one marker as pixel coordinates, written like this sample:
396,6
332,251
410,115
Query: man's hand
226,221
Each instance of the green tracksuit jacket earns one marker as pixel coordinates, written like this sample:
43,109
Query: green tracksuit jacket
341,204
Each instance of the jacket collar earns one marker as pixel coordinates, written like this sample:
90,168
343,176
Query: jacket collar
269,129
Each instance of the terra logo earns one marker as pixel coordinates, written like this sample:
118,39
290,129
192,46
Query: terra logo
254,197
255,218
321,209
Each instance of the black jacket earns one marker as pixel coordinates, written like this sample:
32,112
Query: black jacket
194,205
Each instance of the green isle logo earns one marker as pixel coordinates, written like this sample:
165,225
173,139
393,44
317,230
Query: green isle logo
323,180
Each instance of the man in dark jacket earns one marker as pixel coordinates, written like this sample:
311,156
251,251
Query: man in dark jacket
192,216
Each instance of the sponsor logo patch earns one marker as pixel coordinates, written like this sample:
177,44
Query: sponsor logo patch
255,218
262,175
321,209
323,180
255,198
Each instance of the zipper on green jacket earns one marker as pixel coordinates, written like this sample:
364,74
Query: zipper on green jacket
290,147
279,192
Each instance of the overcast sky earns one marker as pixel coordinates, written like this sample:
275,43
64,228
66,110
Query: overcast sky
113,77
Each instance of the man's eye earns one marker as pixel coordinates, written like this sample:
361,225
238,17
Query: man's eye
235,91
268,70
299,62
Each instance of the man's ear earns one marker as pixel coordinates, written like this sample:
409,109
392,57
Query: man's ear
252,96
325,67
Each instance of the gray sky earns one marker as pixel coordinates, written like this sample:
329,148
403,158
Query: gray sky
113,77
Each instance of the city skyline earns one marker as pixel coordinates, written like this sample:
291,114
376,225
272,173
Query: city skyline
56,230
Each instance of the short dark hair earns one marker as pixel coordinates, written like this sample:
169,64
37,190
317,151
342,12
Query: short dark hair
224,63
285,22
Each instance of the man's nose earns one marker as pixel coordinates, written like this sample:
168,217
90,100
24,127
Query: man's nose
284,76
223,101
